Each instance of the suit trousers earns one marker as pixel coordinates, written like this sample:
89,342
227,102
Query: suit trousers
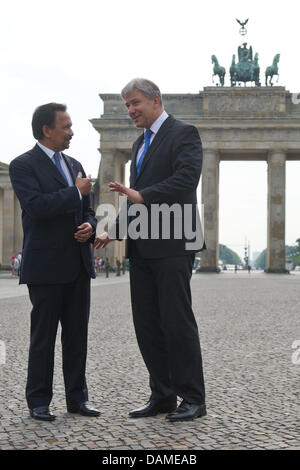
68,304
165,326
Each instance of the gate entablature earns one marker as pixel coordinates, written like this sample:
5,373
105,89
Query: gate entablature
251,123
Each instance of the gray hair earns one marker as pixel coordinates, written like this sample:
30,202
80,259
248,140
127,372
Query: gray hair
148,88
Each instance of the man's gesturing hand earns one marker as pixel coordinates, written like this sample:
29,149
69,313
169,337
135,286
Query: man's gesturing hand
84,232
102,241
83,184
132,195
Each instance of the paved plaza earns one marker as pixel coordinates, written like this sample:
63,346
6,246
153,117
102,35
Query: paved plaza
248,326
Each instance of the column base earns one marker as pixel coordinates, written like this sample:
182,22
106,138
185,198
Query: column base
209,269
276,271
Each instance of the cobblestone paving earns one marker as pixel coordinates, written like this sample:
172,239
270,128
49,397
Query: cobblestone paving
247,326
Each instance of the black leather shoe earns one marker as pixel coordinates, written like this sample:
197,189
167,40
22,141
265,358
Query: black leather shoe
153,408
84,409
43,413
187,412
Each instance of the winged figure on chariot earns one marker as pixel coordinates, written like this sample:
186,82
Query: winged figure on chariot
247,68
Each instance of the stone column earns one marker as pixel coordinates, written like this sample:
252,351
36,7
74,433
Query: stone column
1,226
18,232
276,213
120,162
106,175
112,168
8,226
210,200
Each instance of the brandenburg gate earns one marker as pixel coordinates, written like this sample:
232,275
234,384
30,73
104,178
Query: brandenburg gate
235,123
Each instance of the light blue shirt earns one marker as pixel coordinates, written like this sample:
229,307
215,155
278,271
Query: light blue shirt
50,154
154,128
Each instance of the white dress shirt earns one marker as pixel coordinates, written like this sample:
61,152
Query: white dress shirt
50,153
154,128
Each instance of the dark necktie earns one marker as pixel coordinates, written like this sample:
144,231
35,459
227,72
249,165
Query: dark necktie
59,167
147,143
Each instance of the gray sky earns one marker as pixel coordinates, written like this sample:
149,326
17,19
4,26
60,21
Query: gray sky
70,51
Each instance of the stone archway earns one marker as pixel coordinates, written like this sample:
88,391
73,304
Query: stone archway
234,124
11,233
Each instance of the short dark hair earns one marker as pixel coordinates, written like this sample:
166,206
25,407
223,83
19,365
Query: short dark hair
44,115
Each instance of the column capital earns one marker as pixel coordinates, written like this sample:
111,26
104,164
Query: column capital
211,159
277,153
7,187
210,150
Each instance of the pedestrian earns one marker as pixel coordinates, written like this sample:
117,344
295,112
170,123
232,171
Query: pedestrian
13,265
165,168
59,226
118,263
124,265
16,266
20,262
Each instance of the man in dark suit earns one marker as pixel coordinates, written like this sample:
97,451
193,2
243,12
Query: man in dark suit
165,170
59,226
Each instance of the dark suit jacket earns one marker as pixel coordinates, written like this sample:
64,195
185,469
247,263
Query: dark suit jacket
169,175
51,212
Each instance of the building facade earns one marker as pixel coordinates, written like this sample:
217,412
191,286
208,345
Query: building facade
11,233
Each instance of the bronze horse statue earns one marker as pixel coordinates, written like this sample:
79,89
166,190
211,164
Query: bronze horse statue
218,70
272,70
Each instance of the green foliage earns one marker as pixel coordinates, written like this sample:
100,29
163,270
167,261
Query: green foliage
292,253
296,259
228,256
261,260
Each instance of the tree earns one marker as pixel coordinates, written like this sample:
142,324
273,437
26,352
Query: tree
292,253
261,260
296,259
296,256
228,256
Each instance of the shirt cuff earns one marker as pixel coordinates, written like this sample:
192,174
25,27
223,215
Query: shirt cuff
80,195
